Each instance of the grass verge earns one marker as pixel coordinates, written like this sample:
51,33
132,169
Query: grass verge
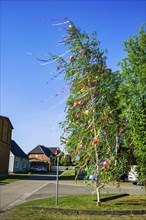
67,175
13,177
80,202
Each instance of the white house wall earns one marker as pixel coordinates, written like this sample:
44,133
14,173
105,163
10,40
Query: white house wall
11,163
18,164
21,165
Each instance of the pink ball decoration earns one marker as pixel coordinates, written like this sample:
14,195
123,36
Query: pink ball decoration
105,163
80,102
72,58
82,51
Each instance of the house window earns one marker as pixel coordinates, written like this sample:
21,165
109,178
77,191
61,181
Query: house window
17,164
36,155
24,165
42,156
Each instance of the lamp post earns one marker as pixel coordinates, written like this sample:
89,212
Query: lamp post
57,176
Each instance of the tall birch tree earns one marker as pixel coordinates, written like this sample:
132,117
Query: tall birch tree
93,130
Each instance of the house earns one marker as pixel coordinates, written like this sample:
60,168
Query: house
54,150
19,162
5,142
41,156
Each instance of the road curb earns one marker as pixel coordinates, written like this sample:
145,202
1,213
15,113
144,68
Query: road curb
92,212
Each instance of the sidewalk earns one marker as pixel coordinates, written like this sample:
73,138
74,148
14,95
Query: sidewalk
125,187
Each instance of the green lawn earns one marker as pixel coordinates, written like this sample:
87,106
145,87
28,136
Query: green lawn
13,177
68,173
88,202
85,202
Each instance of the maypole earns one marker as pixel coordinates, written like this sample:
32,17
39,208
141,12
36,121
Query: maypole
91,125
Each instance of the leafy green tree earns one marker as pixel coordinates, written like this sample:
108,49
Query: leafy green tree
65,159
132,95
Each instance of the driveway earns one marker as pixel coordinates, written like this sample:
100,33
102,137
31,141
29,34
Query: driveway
42,186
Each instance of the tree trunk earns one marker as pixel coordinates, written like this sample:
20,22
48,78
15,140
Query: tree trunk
98,197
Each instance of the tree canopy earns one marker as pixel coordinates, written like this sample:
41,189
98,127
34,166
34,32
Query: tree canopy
132,95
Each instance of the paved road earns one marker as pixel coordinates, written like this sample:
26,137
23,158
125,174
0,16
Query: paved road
43,186
15,192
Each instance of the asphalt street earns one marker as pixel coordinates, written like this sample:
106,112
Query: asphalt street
42,186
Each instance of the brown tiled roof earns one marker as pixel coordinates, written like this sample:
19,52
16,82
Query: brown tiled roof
40,149
54,149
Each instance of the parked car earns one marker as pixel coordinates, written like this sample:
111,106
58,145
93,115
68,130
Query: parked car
123,176
38,169
132,175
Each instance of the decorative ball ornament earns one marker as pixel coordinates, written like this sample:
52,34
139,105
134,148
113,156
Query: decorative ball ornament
86,112
82,51
92,130
74,130
77,115
80,102
76,104
70,26
77,158
85,87
105,163
102,136
95,141
72,58
91,177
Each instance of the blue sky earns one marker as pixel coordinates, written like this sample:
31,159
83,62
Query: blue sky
26,85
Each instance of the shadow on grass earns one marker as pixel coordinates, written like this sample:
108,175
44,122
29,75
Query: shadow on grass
112,197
